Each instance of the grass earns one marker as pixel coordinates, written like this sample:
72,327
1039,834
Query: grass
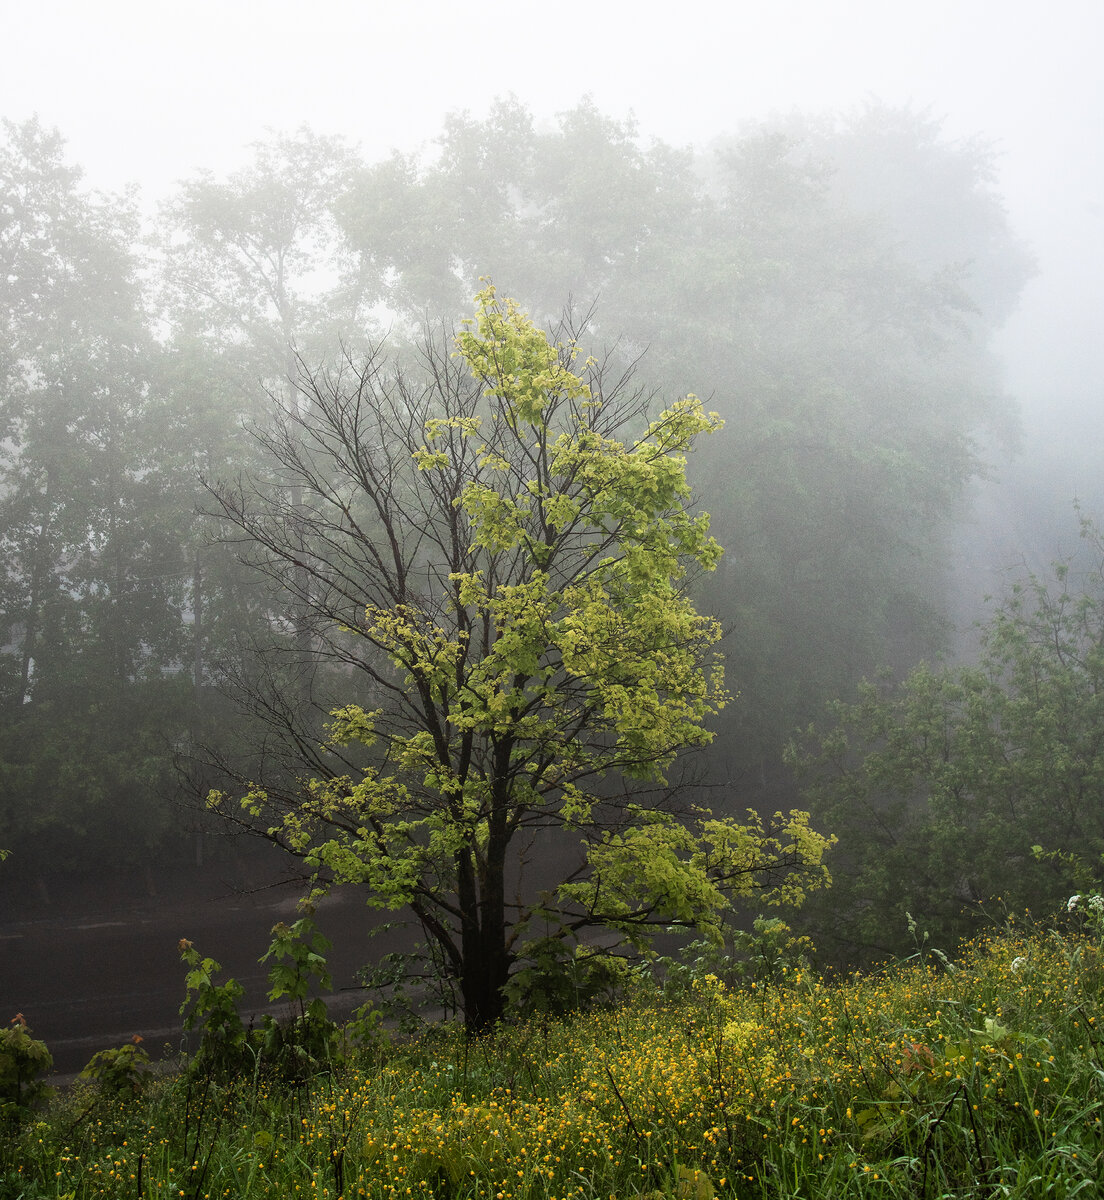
980,1078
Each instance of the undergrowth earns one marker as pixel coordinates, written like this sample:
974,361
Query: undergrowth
978,1077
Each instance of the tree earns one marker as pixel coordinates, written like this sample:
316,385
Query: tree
92,586
74,335
251,275
832,282
252,265
507,578
965,783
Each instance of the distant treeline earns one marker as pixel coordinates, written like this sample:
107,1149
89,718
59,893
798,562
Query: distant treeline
829,285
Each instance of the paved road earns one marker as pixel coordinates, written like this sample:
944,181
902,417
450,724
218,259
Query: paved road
90,967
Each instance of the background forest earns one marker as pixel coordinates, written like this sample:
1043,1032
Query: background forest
831,286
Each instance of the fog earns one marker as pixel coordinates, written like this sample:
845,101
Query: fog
897,311
146,96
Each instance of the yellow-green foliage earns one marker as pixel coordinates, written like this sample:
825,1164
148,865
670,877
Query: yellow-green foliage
564,644
548,643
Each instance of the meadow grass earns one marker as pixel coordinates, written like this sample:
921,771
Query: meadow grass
983,1077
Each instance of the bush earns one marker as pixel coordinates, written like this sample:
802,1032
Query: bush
123,1070
22,1059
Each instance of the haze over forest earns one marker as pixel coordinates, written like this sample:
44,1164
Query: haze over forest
148,100
872,241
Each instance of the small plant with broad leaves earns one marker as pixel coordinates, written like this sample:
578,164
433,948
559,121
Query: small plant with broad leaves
23,1059
310,1042
410,989
922,948
120,1071
768,953
553,978
212,1009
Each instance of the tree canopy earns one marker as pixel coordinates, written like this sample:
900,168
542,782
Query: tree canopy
829,284
497,555
90,590
967,783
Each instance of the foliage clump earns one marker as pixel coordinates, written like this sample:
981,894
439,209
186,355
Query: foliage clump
23,1059
123,1068
306,1044
968,783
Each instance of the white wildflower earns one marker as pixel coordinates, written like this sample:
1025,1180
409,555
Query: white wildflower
1096,903
1073,902
1018,964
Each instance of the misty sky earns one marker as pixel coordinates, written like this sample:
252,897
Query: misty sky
148,91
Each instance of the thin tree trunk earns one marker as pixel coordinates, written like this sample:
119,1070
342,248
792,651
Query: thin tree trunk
197,639
34,605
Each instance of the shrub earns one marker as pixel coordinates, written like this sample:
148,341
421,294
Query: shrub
22,1059
122,1070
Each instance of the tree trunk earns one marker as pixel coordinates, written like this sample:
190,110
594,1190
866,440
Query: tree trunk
485,965
486,970
34,605
197,643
